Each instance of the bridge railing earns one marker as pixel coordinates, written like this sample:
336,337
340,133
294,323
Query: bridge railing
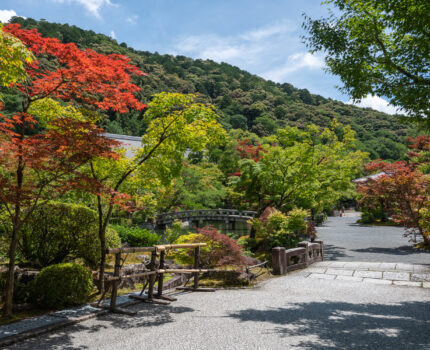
190,214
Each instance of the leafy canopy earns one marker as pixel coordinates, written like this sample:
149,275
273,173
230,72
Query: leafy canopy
309,169
380,48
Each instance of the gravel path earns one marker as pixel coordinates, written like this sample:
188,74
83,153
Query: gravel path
289,312
345,240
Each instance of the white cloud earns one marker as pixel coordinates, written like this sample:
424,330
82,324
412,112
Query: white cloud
294,62
112,35
92,6
269,31
378,104
6,15
249,48
132,19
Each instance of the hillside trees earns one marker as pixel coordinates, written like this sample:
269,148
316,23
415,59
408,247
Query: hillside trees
235,94
380,48
38,166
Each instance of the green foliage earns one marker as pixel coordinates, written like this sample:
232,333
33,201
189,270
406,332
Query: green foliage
63,285
310,169
378,47
243,100
58,232
372,215
278,230
13,58
199,187
136,236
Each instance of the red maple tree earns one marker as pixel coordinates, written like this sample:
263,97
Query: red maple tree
42,166
246,150
402,190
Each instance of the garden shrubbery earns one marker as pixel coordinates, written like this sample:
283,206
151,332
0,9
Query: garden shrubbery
136,236
58,232
274,229
63,285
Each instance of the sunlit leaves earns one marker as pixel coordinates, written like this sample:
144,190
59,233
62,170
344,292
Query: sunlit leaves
379,47
13,59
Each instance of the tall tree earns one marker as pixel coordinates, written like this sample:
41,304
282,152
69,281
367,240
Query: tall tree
176,124
380,48
36,166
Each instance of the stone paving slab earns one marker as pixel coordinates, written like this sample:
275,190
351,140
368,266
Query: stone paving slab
407,284
398,274
377,281
368,274
322,276
339,272
349,278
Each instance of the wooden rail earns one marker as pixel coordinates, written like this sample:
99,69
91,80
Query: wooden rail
153,274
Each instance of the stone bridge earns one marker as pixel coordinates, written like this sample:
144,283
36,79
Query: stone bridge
228,216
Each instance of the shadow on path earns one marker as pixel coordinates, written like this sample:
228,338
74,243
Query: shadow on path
332,252
340,325
403,250
148,316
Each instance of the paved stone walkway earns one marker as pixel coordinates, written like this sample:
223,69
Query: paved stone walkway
409,275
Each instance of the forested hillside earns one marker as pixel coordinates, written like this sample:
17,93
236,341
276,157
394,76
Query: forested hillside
245,101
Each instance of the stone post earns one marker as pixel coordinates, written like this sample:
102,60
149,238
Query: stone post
305,245
322,248
279,261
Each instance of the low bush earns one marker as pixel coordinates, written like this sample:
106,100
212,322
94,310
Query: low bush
136,236
58,232
275,229
221,250
63,285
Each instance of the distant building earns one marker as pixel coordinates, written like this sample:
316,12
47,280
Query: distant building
370,177
129,142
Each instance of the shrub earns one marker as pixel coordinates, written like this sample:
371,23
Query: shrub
63,285
59,232
136,236
275,229
221,250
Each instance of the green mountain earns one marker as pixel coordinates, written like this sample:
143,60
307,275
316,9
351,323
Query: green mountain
245,101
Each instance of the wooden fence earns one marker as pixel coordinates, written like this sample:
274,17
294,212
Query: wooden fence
286,260
152,275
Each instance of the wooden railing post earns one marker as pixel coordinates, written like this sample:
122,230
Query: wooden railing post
196,266
152,277
161,275
116,272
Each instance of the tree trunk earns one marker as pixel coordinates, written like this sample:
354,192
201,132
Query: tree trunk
102,236
253,232
10,281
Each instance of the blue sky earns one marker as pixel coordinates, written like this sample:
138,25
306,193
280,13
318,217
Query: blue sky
262,37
